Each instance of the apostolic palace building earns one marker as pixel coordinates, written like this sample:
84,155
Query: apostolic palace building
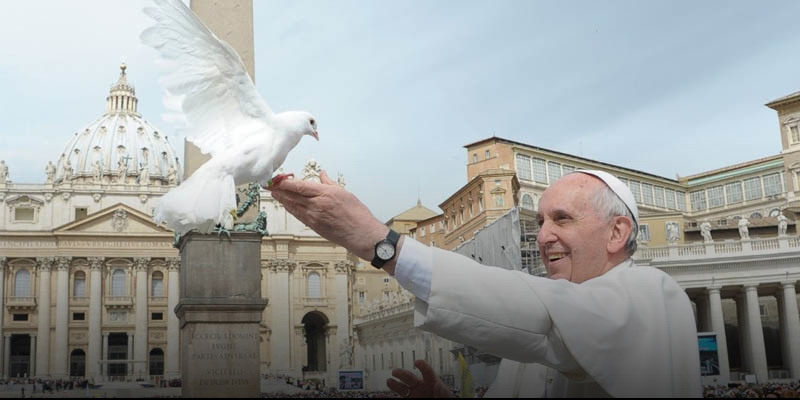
89,282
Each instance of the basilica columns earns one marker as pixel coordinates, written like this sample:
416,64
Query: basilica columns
791,322
718,326
7,353
279,297
43,332
173,369
139,353
60,356
94,350
755,334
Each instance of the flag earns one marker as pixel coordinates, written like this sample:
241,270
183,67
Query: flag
467,387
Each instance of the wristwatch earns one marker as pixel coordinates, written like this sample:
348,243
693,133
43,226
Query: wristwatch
386,249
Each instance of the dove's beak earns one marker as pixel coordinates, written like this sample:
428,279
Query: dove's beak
316,135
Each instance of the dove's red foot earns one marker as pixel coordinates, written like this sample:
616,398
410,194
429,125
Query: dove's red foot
279,178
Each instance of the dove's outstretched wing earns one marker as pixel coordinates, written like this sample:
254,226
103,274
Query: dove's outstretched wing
205,79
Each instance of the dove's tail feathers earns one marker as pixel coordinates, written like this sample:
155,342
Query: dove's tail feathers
201,202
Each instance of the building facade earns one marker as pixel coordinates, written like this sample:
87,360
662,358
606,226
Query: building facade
89,282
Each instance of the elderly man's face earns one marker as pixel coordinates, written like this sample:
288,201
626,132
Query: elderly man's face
573,236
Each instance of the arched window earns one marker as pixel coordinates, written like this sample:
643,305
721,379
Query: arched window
527,202
756,215
157,284
118,283
79,284
314,291
775,212
157,362
22,283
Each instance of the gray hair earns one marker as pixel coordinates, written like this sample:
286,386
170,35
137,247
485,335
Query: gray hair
610,205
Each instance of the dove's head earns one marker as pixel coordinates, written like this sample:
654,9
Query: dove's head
300,123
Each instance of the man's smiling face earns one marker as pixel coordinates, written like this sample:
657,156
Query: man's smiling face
573,237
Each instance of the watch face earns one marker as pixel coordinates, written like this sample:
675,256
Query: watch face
385,251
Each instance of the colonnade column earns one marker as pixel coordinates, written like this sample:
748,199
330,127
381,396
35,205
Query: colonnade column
792,321
140,336
173,369
718,326
43,332
95,349
744,333
62,319
756,343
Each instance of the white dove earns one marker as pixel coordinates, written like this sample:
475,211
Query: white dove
223,114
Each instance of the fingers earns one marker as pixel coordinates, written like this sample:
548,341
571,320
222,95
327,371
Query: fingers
428,374
303,188
325,179
294,207
406,377
398,387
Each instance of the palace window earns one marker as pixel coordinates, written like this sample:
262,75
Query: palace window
635,189
119,283
498,199
488,155
362,297
79,284
670,197
539,170
647,194
527,202
752,189
314,289
644,232
659,194
474,158
795,134
81,213
553,171
22,283
733,192
698,200
680,198
716,197
524,167
567,169
772,185
157,284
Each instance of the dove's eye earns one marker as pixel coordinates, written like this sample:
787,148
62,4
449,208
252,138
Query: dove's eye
312,122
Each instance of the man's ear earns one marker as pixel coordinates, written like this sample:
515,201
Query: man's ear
621,229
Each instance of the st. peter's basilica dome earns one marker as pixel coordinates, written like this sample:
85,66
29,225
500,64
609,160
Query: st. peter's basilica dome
120,147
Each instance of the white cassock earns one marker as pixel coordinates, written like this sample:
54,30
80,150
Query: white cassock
628,333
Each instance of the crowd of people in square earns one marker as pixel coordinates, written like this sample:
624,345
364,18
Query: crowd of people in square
790,390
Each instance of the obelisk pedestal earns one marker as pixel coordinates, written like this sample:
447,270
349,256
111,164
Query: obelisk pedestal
220,314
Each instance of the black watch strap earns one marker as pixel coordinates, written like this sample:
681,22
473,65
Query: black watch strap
392,238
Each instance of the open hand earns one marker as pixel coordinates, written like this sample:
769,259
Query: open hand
409,385
332,212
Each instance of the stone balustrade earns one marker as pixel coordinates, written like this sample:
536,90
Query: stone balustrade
731,248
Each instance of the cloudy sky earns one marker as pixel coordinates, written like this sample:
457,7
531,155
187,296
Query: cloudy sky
399,87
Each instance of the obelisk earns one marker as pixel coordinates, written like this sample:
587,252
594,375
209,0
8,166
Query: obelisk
231,21
220,304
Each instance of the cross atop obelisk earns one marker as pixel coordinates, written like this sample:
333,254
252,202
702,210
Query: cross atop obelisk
231,21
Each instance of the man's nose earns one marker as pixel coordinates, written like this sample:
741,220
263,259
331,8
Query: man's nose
546,235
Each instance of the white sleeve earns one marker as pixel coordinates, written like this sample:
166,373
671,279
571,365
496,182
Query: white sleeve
414,268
